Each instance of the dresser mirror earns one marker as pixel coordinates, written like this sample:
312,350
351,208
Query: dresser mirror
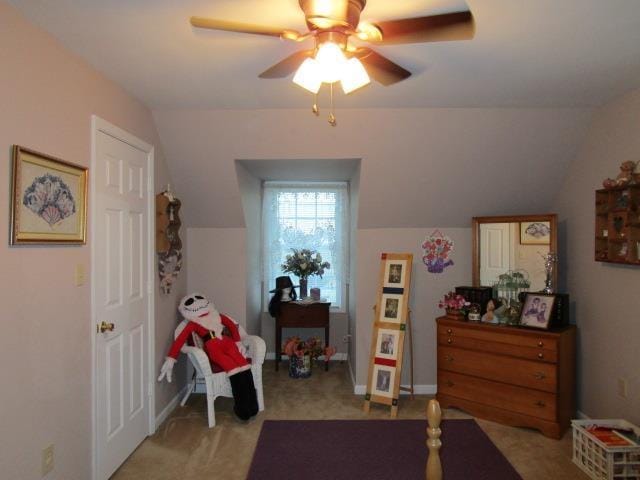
513,244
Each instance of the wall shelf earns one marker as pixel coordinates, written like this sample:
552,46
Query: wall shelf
617,226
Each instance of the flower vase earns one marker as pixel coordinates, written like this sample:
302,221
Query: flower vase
454,314
300,367
303,288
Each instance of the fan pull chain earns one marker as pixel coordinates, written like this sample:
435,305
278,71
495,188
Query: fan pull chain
315,109
332,117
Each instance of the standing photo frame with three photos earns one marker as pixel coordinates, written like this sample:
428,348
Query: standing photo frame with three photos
391,321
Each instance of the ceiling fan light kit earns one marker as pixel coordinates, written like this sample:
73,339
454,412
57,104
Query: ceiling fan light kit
331,23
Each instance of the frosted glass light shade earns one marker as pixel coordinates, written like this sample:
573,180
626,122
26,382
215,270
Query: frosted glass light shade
354,76
332,62
309,75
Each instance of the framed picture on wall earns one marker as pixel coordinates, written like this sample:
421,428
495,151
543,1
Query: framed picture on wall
535,233
536,310
48,199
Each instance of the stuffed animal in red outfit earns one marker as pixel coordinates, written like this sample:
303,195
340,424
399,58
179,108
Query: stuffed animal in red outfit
222,343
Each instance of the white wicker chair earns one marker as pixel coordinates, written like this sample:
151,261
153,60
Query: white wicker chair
216,385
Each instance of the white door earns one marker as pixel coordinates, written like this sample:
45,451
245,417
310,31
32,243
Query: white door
120,297
495,251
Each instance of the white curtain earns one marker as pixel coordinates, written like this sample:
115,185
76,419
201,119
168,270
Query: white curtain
306,215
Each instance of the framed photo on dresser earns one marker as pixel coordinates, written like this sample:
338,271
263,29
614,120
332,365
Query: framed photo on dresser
536,310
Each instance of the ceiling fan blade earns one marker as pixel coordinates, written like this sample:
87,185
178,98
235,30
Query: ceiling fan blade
436,28
287,66
213,24
380,68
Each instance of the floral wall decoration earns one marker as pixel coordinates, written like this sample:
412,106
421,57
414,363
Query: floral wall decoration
437,252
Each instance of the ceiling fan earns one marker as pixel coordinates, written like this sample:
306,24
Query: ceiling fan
331,23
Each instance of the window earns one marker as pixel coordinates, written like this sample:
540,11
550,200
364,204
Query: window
306,215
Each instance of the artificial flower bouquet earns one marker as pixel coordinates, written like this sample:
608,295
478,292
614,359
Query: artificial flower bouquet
455,304
304,263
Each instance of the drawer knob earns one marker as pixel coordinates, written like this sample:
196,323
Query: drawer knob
540,356
540,344
449,340
448,358
540,403
539,376
449,331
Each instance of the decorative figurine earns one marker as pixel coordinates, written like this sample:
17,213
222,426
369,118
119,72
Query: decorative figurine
549,259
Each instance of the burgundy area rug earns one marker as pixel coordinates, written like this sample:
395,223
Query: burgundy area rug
373,450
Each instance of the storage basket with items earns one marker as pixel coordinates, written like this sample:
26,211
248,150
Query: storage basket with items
607,449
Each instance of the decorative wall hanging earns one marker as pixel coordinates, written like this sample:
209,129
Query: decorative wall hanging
168,242
48,199
535,233
391,321
437,250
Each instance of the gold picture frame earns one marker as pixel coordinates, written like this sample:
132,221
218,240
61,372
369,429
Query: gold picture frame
48,200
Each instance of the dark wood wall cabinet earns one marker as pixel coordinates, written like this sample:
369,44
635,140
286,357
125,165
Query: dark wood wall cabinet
617,238
514,376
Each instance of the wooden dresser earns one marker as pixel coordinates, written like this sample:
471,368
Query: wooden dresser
510,375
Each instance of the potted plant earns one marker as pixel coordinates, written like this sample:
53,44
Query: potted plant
301,353
304,263
454,304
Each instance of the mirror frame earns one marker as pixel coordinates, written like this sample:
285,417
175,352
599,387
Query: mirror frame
552,218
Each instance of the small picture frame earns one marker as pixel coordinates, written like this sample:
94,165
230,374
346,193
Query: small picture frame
48,200
383,380
395,273
536,310
535,233
391,308
387,343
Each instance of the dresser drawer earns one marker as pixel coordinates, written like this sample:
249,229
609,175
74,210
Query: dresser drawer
529,353
507,335
524,373
508,397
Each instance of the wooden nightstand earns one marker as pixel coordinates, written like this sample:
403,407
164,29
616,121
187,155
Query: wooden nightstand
297,315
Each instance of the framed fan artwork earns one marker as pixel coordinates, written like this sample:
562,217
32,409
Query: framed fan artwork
390,325
48,199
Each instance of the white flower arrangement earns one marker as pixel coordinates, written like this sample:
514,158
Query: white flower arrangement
305,263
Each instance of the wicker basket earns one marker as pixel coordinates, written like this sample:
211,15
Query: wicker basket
602,462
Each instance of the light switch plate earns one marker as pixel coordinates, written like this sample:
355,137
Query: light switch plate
47,460
80,275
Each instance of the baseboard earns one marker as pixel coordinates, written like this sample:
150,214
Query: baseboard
417,390
338,357
353,378
166,411
582,415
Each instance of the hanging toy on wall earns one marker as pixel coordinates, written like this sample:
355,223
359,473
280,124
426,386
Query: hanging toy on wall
437,250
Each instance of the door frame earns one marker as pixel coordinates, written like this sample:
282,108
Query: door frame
99,125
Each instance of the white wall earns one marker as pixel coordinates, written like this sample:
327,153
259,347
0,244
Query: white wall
605,297
426,289
48,96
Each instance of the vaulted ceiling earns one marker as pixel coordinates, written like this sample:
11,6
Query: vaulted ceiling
525,53
487,126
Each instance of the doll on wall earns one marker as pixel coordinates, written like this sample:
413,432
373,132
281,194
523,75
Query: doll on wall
222,343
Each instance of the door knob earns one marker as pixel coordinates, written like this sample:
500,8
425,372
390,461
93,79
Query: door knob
106,327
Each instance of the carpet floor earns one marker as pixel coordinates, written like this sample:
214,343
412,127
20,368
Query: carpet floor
373,449
184,448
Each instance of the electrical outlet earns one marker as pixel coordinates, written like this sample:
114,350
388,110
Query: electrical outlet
47,460
622,387
346,339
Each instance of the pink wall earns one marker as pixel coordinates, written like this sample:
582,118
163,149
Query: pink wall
47,97
605,297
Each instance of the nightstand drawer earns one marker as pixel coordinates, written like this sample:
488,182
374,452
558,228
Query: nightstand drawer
508,397
529,353
510,336
524,373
